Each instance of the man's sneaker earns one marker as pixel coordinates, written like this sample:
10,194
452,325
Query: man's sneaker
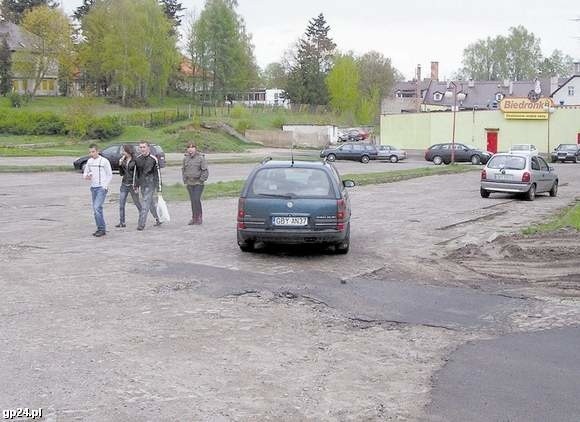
121,225
157,223
140,228
100,233
191,222
95,233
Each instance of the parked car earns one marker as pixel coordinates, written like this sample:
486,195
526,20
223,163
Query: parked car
353,135
355,151
566,152
391,153
441,153
518,173
113,154
293,203
528,149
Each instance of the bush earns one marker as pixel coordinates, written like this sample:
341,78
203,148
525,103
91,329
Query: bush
239,112
104,128
24,123
279,121
244,125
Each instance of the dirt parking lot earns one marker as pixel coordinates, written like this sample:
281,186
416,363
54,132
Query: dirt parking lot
175,323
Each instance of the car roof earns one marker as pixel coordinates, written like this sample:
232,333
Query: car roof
296,164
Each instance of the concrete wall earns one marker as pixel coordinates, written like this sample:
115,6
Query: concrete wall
420,130
280,139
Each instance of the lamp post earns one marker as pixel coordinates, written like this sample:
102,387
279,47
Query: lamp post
452,92
549,110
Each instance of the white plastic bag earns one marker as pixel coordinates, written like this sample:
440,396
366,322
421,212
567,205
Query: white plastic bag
162,210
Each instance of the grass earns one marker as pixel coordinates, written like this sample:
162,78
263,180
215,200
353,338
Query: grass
177,192
568,218
34,169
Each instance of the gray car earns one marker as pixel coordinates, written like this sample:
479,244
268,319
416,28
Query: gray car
391,153
520,174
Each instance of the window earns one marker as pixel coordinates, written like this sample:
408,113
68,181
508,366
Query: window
535,164
543,164
346,148
437,96
292,181
507,162
570,91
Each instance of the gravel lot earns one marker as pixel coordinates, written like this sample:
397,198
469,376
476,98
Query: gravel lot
175,323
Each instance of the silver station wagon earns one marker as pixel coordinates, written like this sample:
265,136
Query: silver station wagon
519,174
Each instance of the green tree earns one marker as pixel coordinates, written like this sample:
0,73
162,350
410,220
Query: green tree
222,50
515,57
54,51
558,64
274,76
172,10
128,47
14,10
5,67
376,73
311,64
343,85
81,11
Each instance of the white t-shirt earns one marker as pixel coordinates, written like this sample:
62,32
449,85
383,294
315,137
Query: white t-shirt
100,171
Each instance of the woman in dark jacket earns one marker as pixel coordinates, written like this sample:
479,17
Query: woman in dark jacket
195,173
127,170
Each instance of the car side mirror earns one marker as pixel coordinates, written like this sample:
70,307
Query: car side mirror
348,183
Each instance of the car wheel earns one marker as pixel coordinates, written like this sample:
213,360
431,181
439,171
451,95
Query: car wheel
394,159
331,157
554,190
247,246
364,159
531,194
484,193
343,247
475,160
437,160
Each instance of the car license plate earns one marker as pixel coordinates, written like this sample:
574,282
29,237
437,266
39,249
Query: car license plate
289,221
503,177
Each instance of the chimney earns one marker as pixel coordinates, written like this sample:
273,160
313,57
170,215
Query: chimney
418,72
576,68
435,71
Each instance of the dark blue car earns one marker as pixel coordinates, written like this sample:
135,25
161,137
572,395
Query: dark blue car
287,202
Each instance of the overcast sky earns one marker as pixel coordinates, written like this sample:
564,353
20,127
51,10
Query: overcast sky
410,32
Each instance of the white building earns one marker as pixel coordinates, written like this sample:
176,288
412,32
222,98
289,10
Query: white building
274,97
568,94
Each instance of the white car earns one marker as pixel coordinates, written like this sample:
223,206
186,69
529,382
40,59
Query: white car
525,149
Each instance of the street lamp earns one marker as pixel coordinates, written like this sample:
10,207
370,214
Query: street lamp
549,110
452,93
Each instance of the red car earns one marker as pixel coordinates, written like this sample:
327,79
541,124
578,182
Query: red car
353,135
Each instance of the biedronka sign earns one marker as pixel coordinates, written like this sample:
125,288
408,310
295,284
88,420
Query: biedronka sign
525,109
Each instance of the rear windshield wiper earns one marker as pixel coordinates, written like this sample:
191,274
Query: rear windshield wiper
275,195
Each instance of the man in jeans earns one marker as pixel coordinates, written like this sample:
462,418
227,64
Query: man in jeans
98,171
148,182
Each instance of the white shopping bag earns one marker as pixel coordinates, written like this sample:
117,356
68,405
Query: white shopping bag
162,210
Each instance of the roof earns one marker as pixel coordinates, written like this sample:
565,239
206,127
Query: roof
411,86
19,38
482,94
297,164
565,83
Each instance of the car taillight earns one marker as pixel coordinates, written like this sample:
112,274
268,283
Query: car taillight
526,177
340,214
241,213
483,174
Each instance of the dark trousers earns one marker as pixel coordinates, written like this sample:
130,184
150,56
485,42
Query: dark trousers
123,194
195,192
148,203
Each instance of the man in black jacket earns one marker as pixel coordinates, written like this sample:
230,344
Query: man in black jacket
148,182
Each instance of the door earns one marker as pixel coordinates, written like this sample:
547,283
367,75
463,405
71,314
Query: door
492,142
344,152
547,175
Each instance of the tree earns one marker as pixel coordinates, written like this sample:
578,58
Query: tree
274,76
14,10
128,46
515,57
343,85
5,67
376,73
557,64
311,64
222,50
172,10
55,49
81,11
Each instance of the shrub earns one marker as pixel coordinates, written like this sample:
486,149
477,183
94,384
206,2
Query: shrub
25,123
104,128
279,121
244,125
239,112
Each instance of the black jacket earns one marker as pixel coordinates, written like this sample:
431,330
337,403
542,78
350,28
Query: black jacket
147,171
127,170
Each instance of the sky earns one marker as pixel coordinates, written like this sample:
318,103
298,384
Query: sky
409,32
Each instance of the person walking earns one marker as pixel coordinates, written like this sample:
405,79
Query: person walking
128,170
98,171
195,173
148,182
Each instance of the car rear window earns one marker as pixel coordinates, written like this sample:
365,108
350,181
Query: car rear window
292,182
507,162
520,148
568,148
